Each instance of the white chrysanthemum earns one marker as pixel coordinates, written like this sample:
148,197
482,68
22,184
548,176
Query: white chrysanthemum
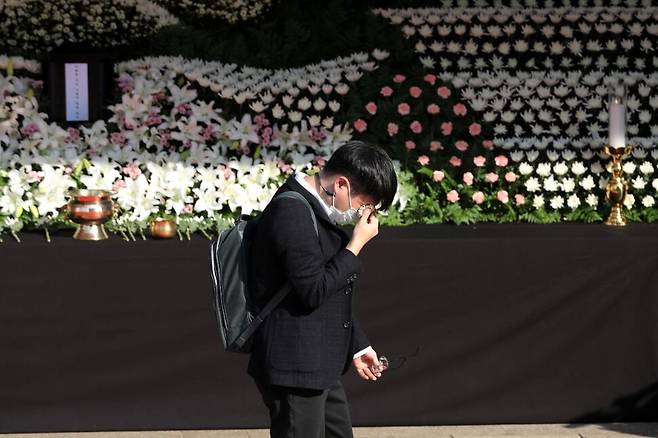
629,201
525,169
648,201
557,202
568,185
592,200
538,201
573,201
646,168
629,167
532,184
544,169
638,183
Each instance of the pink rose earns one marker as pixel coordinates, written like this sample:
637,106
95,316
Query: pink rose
415,92
404,109
446,128
453,196
461,145
474,129
433,108
360,125
443,92
423,160
430,79
435,145
438,176
520,200
386,91
371,108
455,161
510,177
491,177
459,109
479,161
398,79
502,196
132,170
478,197
392,129
416,127
409,145
468,178
501,161
487,144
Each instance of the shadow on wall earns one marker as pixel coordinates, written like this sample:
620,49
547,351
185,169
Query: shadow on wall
630,414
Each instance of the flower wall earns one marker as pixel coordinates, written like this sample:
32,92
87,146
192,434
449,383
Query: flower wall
502,118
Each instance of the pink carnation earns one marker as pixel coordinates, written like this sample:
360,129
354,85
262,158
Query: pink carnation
423,160
416,127
491,177
438,176
409,144
433,108
360,125
468,178
510,177
371,108
430,79
501,161
461,145
392,129
474,129
415,92
487,144
502,196
386,91
455,161
453,196
459,109
443,92
398,79
404,109
479,161
520,200
446,128
478,197
435,145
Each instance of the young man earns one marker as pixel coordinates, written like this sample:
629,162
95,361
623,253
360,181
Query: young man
306,344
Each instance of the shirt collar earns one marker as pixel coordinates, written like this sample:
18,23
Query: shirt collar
300,178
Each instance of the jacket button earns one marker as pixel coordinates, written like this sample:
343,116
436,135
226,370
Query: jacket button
347,324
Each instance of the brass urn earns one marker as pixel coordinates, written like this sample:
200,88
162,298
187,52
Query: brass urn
163,228
90,209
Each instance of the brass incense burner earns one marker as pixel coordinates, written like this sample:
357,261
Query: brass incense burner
617,187
90,209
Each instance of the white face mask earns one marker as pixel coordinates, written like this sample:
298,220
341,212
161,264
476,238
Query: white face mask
349,216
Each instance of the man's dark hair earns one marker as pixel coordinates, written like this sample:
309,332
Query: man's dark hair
369,169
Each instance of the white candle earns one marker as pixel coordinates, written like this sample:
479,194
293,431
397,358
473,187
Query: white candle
617,129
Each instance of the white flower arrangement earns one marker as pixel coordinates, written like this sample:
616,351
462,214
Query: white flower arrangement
163,152
101,23
225,10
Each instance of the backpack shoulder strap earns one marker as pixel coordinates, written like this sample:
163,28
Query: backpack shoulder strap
296,195
285,289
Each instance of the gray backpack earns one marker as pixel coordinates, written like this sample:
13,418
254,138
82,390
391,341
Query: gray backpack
237,317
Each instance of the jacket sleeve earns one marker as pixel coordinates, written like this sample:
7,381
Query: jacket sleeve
359,338
296,244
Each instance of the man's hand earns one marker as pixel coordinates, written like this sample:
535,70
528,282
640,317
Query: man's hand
364,365
365,229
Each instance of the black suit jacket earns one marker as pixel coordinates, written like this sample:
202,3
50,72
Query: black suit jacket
308,341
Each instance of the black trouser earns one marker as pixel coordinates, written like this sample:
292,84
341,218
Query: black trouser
307,413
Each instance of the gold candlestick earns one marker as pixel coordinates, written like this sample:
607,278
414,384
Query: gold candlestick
617,187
